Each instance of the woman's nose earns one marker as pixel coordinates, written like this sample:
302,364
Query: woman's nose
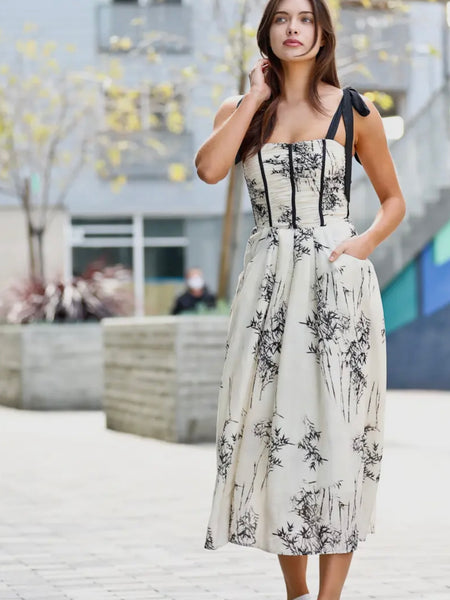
292,29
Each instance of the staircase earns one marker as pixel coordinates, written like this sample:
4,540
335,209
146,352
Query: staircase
422,161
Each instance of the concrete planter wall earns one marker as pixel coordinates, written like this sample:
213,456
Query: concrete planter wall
51,366
162,375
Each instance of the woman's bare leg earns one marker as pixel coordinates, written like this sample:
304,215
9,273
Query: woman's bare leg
333,569
294,572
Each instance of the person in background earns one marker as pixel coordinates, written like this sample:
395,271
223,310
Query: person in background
197,292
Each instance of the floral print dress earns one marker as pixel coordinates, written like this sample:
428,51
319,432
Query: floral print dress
299,438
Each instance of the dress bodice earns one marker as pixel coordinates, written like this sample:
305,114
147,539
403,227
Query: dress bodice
304,183
285,182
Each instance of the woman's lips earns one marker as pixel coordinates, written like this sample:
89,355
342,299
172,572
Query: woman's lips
292,43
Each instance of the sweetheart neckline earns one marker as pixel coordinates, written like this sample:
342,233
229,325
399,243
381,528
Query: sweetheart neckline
302,142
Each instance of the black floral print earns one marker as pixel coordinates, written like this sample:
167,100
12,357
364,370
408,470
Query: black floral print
306,165
269,339
332,189
299,437
309,443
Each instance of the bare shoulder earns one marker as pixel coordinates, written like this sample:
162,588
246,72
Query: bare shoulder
329,91
226,109
369,127
330,96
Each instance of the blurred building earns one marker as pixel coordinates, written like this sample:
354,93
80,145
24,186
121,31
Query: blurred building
158,227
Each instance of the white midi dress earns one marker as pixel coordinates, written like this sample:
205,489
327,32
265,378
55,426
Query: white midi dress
299,438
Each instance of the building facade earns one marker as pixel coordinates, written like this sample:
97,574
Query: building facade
158,227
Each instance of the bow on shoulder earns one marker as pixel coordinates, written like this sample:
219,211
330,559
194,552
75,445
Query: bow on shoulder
358,102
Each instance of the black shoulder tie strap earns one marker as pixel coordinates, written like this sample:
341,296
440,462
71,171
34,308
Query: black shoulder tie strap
238,155
351,100
335,121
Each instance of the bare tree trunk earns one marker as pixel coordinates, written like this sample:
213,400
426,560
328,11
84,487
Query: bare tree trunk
26,203
39,247
35,236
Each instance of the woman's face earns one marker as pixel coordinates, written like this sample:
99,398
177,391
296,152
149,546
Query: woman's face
294,19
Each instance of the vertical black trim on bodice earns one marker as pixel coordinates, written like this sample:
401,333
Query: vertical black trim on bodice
322,176
291,170
266,188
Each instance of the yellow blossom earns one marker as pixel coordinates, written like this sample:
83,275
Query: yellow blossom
221,68
48,48
30,27
52,65
125,43
117,183
27,47
153,56
189,72
133,122
177,172
114,156
175,121
157,145
164,90
153,120
203,111
115,69
217,91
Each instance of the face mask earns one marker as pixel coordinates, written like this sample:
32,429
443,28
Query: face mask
196,282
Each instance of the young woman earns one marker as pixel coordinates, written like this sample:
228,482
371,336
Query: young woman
300,419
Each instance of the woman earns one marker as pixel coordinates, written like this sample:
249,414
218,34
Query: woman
301,400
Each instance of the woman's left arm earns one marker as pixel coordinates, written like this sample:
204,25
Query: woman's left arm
373,151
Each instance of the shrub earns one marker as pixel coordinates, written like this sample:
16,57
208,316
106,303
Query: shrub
99,292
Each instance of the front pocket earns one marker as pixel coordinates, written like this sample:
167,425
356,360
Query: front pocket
361,260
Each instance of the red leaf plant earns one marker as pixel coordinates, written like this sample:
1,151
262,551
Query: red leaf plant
101,291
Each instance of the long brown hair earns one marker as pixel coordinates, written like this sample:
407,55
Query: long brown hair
264,119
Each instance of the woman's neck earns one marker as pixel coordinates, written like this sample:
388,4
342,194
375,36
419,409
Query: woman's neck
296,82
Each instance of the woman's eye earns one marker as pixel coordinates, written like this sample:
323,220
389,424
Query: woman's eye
304,19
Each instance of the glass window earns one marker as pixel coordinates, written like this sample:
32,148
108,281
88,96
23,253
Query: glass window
84,257
163,227
101,221
165,262
83,229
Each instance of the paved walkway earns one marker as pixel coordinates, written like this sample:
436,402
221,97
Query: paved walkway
91,514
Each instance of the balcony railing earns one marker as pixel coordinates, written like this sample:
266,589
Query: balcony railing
147,154
164,28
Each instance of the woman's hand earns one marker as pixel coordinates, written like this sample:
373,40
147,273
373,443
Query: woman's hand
258,85
359,246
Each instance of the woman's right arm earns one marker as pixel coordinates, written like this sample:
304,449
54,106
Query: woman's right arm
217,154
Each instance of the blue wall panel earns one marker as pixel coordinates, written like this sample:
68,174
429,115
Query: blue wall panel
434,282
418,355
400,299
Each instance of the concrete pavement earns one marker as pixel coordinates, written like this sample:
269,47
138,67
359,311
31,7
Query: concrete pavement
92,514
